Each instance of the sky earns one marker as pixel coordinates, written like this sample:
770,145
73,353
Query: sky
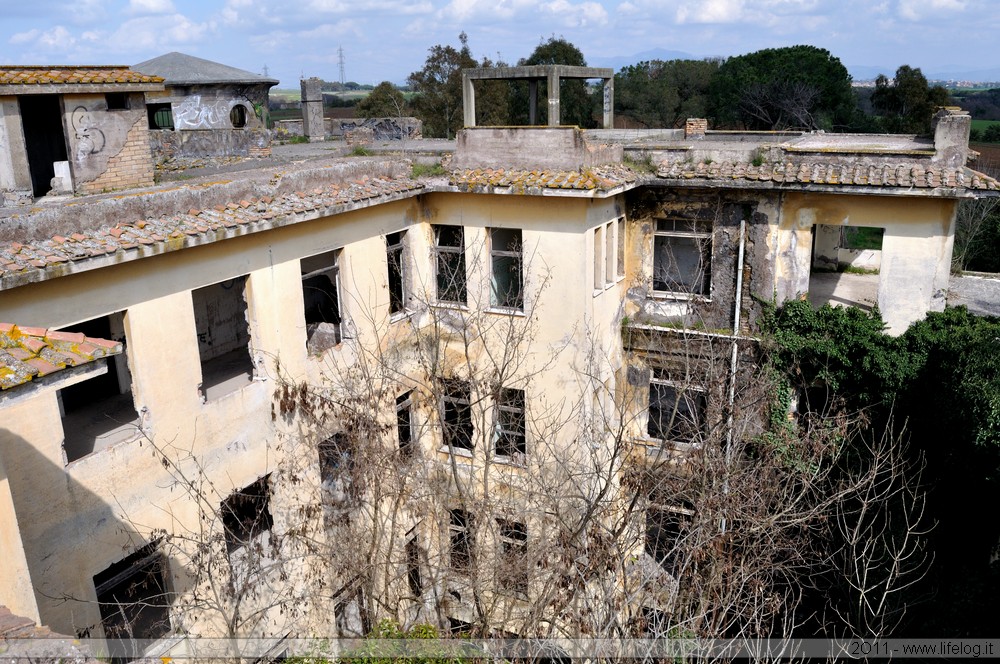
388,39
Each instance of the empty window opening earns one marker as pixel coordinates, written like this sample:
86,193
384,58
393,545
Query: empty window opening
246,514
665,529
682,257
458,627
676,412
512,573
846,261
134,602
397,271
449,250
599,258
220,315
456,413
508,440
100,411
116,101
322,302
336,467
620,258
610,248
506,284
160,116
404,422
238,116
460,541
413,556
655,624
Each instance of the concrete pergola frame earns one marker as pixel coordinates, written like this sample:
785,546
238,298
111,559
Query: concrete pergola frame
534,73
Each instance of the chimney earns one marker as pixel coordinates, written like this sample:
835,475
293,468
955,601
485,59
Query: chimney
951,136
695,128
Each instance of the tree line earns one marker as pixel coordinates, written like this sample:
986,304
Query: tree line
795,87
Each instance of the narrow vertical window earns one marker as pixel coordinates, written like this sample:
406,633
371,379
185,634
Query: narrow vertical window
321,300
621,247
460,541
609,253
512,573
449,249
598,258
456,413
397,277
509,437
506,285
404,423
413,576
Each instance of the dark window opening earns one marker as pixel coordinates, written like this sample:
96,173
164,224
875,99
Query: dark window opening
100,411
397,281
457,413
682,257
460,541
160,116
321,299
44,138
676,413
238,116
336,468
413,567
246,514
513,570
458,627
404,422
221,322
509,438
134,602
116,101
449,249
506,285
654,623
665,528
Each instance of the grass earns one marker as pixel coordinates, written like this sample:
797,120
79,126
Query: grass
863,237
850,269
427,170
360,151
640,163
298,139
981,125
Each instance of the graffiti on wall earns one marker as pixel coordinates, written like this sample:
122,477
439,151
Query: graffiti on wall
192,113
89,137
384,129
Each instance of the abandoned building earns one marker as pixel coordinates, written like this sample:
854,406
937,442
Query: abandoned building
66,130
206,109
167,347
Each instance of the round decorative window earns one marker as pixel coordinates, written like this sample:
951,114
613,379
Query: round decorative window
238,116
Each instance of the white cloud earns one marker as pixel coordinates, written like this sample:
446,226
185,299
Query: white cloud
916,10
711,11
145,7
24,37
560,13
163,32
56,39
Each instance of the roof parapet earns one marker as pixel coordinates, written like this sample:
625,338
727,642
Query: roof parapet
951,136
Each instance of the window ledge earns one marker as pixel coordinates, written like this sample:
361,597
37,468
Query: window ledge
402,315
453,306
512,462
505,311
668,445
685,297
455,451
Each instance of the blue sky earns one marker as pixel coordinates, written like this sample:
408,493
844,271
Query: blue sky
387,39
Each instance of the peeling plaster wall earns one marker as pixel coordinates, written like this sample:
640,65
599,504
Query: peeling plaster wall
15,177
96,136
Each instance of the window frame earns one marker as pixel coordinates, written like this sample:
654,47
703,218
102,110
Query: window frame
456,397
515,450
459,288
676,421
704,241
461,541
404,422
395,254
502,256
413,554
609,254
682,516
512,540
220,371
331,271
257,492
154,109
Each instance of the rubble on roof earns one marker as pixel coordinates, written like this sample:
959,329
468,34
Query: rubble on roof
27,353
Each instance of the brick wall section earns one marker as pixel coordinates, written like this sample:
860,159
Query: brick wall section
695,128
132,167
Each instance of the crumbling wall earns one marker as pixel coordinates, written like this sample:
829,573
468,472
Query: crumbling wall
166,144
107,149
130,167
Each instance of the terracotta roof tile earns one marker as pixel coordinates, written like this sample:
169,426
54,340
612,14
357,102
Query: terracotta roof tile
67,75
32,352
905,175
601,178
16,257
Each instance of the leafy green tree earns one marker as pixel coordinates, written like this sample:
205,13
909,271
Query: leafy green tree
779,88
438,87
661,93
576,104
385,101
992,134
907,103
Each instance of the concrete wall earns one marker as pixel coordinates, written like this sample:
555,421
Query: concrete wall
166,144
107,149
553,148
15,178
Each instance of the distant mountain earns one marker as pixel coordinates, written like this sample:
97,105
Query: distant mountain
616,62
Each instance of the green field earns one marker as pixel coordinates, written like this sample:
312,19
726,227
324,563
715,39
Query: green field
981,125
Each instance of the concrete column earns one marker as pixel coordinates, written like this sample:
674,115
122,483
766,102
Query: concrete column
313,127
553,99
951,136
609,103
532,102
468,101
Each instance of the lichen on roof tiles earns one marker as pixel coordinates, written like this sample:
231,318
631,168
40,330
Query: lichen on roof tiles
66,75
599,178
27,353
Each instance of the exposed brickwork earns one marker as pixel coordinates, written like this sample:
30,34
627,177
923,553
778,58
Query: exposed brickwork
695,128
131,167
